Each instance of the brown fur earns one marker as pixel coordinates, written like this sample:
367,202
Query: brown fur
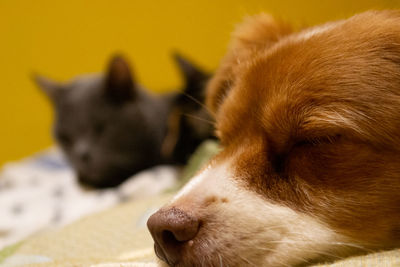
349,175
312,123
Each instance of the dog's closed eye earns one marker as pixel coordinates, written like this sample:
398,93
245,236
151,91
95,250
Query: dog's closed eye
280,160
315,141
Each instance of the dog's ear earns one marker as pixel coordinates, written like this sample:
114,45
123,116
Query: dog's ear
255,34
259,32
119,81
194,77
49,87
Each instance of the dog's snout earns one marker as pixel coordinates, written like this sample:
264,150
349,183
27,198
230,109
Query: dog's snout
171,230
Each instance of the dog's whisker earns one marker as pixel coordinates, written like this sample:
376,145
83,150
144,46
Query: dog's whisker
247,261
319,252
354,245
198,118
220,260
275,250
323,243
198,102
273,227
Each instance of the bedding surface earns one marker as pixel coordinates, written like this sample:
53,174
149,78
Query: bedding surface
41,193
118,237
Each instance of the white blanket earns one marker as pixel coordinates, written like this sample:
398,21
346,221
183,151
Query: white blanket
41,192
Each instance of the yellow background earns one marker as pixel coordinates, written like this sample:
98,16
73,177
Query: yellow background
64,38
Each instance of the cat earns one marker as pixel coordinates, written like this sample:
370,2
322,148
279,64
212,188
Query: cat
110,128
189,121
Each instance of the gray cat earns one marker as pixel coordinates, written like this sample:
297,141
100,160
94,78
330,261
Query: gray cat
110,128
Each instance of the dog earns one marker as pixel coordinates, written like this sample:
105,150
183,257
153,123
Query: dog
309,171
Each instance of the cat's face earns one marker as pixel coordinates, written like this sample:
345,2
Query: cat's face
106,125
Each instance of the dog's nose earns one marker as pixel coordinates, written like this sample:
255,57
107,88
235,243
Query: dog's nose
171,229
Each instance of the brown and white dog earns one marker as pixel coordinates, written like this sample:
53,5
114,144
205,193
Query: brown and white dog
309,124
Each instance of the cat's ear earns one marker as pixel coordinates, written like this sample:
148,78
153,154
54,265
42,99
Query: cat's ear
49,87
119,82
194,77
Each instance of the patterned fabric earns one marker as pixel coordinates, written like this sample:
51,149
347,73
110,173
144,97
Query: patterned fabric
115,236
41,193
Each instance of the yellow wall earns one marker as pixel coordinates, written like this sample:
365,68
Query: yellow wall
65,38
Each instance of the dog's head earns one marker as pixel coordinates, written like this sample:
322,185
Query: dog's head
309,123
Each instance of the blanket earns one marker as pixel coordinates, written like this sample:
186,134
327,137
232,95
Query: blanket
41,192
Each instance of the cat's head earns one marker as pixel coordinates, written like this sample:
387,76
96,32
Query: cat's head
108,127
189,122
